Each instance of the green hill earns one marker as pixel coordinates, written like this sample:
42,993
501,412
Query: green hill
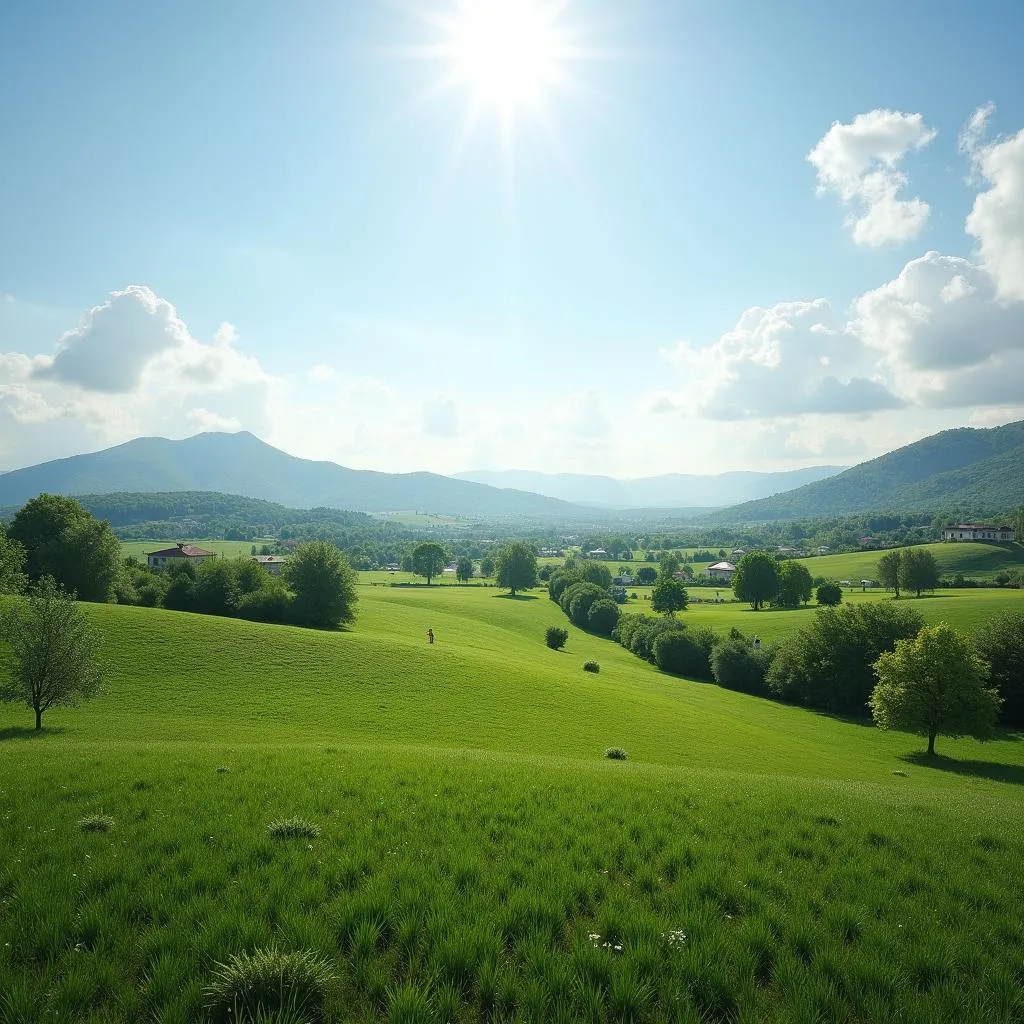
471,854
978,470
241,464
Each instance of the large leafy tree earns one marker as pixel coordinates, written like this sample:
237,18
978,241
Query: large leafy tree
669,596
756,579
54,657
464,569
934,684
516,567
795,584
324,585
919,570
61,539
1000,643
428,559
890,573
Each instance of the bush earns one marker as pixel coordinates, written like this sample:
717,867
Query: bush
684,654
616,754
560,581
293,828
829,594
603,617
591,666
578,599
1000,643
271,603
96,823
269,982
736,665
637,633
555,637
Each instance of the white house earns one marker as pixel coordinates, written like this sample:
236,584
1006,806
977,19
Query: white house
272,563
721,571
184,552
974,531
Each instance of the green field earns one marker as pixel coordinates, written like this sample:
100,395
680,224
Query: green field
977,560
478,857
228,548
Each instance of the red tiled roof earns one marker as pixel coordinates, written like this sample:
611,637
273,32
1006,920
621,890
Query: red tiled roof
181,551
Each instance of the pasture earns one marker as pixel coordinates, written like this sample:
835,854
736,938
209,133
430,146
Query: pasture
477,858
972,559
225,548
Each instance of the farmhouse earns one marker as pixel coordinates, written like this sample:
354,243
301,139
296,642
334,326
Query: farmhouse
186,552
721,571
272,563
974,531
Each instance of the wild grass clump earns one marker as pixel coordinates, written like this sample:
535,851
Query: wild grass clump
555,637
293,828
269,984
591,666
96,823
616,754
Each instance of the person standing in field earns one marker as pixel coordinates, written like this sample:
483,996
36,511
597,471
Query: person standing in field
430,636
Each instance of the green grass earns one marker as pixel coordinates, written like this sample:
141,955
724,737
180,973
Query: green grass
471,854
977,560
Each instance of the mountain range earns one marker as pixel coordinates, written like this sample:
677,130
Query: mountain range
977,470
671,490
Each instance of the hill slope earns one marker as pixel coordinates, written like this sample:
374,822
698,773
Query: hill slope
242,464
665,491
979,470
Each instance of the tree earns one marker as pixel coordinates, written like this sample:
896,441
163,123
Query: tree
576,602
555,637
487,566
889,570
603,617
669,564
1000,643
646,575
756,579
593,572
669,596
737,665
54,651
684,654
428,559
829,594
464,569
12,565
324,585
794,584
516,567
934,685
919,570
61,539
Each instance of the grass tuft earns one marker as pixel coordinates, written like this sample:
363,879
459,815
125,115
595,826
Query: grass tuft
293,828
269,984
591,666
616,754
96,823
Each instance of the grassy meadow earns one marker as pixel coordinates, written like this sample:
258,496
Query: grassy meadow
474,856
226,548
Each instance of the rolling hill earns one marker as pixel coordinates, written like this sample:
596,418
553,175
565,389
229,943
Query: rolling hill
243,464
976,470
654,492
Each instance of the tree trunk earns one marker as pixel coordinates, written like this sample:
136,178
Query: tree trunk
931,744
39,719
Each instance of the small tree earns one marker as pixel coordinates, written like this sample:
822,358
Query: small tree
934,685
555,637
794,585
889,570
669,596
919,570
1000,643
669,564
324,585
54,658
829,594
464,569
517,567
756,579
487,566
428,559
646,575
603,617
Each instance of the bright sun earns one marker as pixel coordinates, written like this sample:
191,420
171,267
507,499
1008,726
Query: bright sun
508,52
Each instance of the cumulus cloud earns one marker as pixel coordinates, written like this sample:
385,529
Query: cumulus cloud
792,358
972,133
206,419
997,218
441,417
859,162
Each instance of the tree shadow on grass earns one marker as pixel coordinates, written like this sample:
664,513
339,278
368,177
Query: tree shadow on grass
1012,773
517,597
28,732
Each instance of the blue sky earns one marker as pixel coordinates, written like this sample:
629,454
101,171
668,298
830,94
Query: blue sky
269,217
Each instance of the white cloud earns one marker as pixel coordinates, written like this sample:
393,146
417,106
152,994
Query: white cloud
997,219
859,162
969,141
441,417
205,419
